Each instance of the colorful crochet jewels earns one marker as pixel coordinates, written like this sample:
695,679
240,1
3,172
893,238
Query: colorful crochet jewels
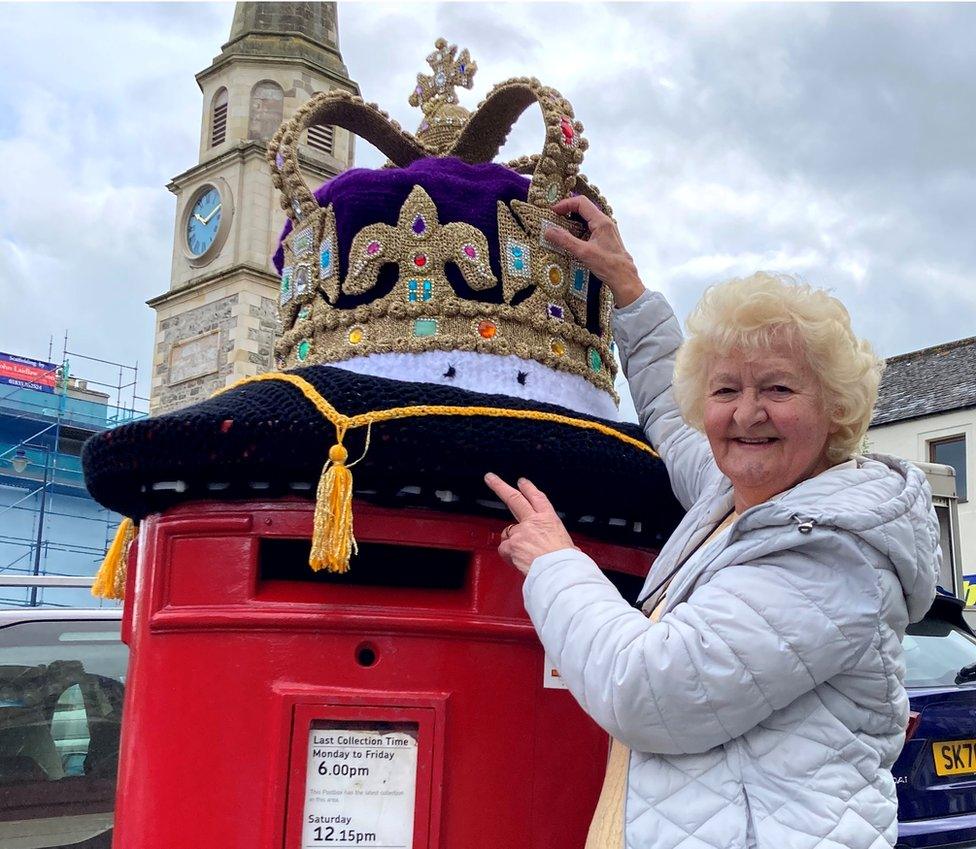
444,250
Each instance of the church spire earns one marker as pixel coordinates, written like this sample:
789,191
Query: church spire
217,322
294,32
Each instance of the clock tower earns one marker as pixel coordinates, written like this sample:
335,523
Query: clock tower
218,320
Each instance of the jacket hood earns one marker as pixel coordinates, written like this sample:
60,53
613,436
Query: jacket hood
887,503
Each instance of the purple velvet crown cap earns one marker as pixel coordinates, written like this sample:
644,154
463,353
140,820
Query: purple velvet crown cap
461,192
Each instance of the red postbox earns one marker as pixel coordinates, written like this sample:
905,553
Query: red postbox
406,703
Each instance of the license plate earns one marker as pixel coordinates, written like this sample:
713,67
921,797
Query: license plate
957,757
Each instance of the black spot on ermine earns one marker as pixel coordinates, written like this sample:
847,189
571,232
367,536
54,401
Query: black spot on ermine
451,371
522,377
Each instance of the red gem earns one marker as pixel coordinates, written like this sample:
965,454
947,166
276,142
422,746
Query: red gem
568,132
420,260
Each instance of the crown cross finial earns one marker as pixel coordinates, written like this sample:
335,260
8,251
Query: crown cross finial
449,70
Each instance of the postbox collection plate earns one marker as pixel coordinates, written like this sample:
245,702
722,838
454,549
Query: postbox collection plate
360,785
362,771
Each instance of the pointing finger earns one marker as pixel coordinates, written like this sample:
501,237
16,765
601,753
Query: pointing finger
535,496
517,503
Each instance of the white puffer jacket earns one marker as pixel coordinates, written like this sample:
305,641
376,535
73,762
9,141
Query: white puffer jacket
767,706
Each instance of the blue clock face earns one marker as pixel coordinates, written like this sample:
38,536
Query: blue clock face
202,224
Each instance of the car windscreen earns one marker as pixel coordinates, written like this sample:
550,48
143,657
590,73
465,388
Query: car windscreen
935,651
61,693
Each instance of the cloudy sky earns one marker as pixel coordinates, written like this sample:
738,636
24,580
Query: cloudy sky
831,141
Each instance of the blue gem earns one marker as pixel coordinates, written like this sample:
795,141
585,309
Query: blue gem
518,258
580,280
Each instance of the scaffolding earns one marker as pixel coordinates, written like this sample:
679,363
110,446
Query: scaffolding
49,524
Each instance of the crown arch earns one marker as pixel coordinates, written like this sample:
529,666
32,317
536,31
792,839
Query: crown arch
267,109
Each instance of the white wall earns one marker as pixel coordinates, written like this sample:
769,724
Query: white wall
910,440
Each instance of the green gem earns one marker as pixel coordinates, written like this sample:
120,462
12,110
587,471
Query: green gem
552,193
304,347
425,327
596,362
304,312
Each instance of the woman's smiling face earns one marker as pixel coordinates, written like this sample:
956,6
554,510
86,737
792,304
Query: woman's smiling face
766,421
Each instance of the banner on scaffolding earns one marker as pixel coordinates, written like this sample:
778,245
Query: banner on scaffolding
27,373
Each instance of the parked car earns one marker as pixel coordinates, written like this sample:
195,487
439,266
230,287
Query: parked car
62,677
936,773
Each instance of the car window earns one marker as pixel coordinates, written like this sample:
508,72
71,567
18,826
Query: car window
61,689
935,651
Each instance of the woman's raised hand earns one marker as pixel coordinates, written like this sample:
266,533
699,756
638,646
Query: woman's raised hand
537,531
603,253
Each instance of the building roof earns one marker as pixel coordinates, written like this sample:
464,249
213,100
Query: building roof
932,380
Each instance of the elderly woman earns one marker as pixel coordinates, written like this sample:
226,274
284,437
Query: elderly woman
759,683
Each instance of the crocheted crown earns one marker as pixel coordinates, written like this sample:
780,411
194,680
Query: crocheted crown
444,251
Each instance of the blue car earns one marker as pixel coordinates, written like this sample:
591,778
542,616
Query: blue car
936,772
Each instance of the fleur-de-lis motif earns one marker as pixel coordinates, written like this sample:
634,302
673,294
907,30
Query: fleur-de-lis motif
421,247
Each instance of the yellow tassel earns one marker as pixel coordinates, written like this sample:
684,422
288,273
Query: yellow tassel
333,541
110,580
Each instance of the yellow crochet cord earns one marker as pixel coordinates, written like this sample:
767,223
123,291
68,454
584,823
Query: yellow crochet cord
333,539
373,416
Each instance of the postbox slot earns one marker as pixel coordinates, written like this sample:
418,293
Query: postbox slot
376,565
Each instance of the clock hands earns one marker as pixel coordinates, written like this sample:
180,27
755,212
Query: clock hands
213,212
199,239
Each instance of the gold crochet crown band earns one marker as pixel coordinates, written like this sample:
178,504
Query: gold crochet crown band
542,305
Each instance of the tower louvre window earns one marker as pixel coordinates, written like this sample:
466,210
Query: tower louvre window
218,121
322,139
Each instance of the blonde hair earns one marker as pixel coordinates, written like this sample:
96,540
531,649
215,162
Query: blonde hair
751,314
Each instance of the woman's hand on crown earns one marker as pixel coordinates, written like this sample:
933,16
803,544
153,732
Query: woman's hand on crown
603,253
